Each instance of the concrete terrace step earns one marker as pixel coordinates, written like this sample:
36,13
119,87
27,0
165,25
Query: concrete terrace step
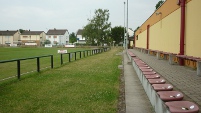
135,96
182,78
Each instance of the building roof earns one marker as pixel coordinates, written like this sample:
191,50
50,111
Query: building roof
7,33
79,32
31,32
56,31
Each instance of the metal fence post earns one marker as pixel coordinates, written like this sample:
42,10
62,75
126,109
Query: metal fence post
18,69
52,61
75,55
61,59
38,64
69,57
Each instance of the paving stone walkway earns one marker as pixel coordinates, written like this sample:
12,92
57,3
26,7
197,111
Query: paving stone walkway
182,78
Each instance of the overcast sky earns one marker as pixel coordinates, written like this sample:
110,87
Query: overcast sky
40,15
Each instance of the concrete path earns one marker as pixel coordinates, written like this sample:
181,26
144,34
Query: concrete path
135,96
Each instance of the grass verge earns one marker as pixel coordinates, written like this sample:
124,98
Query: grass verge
10,69
89,85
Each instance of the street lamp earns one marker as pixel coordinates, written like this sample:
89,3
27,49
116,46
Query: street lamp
124,28
127,26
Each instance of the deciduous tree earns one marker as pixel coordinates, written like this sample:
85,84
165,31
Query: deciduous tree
159,4
98,28
117,34
72,38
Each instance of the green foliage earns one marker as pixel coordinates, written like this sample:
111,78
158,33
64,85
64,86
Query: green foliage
21,30
47,42
92,87
117,34
98,28
159,4
73,38
30,65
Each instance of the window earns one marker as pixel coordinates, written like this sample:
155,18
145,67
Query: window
55,36
25,36
49,36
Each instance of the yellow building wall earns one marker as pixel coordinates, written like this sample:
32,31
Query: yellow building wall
193,29
141,42
165,34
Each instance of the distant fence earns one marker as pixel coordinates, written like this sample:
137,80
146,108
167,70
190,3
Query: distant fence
12,68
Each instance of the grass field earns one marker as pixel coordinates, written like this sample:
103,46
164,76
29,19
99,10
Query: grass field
89,85
10,70
16,53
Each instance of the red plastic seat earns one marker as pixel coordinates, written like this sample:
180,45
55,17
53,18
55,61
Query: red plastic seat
182,107
146,70
139,62
155,76
162,87
170,95
149,73
136,59
144,67
156,81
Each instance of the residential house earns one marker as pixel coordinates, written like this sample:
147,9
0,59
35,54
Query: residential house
58,36
32,37
9,37
130,38
80,38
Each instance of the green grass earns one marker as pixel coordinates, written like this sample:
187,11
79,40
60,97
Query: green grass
16,53
89,85
10,69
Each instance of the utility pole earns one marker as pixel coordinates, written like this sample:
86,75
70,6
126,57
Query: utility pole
127,27
124,28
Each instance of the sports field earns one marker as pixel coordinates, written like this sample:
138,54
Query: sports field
10,69
88,85
15,53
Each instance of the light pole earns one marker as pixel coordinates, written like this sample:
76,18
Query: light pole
127,26
124,28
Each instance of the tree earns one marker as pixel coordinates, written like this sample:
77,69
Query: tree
117,34
21,30
73,38
136,29
159,4
89,34
98,28
47,42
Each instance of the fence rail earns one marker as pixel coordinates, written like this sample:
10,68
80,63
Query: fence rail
37,61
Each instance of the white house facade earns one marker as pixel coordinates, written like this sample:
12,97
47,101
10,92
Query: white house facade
58,36
80,38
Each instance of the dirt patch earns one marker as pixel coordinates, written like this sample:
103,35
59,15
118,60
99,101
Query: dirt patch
121,100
